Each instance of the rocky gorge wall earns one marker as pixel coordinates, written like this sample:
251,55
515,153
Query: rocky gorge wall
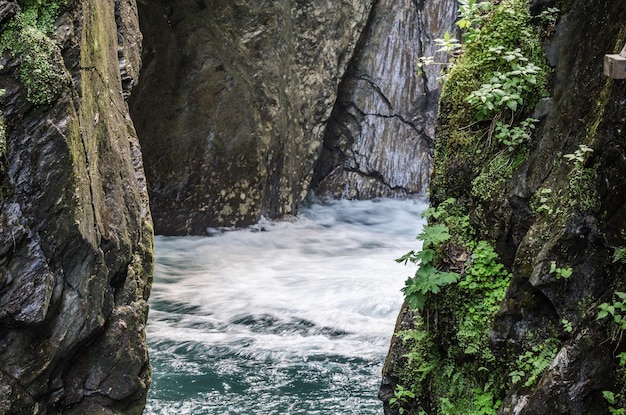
555,214
232,104
75,234
379,139
234,101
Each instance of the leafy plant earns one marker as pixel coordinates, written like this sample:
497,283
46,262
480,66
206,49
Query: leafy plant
548,19
455,217
532,363
620,255
611,399
617,310
579,156
567,325
433,235
447,44
504,88
471,13
427,279
544,202
514,136
483,286
563,273
401,396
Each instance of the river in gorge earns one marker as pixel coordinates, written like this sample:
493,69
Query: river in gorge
289,317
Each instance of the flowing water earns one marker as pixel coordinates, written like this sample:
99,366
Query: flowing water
281,318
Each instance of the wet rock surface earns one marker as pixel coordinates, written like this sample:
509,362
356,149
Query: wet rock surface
232,103
379,139
75,229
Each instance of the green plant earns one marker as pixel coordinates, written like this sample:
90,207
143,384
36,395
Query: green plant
401,396
612,398
447,44
483,286
617,310
563,273
579,156
532,363
544,202
620,255
489,185
41,13
427,279
422,357
567,325
504,88
455,217
547,19
514,136
471,15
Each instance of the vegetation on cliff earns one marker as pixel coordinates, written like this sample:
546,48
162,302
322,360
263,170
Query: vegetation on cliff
26,37
505,298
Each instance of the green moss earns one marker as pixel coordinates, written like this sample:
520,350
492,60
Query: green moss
459,371
41,66
464,144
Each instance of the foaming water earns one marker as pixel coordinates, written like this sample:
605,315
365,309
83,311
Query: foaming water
281,318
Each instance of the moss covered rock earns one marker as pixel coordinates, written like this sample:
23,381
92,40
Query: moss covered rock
553,209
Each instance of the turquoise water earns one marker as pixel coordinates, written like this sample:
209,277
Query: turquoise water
291,317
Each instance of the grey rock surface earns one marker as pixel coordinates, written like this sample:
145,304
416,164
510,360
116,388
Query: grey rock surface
379,140
75,233
232,103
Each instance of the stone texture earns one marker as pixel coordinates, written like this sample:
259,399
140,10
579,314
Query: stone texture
379,139
75,234
232,102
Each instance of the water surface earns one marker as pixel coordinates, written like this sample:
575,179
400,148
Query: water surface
290,317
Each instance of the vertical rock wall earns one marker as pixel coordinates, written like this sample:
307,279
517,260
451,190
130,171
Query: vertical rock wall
379,139
75,233
551,212
233,101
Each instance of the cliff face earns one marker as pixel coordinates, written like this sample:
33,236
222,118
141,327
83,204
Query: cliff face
379,139
75,234
556,216
232,104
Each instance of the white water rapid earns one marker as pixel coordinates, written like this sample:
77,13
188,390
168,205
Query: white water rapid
281,318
